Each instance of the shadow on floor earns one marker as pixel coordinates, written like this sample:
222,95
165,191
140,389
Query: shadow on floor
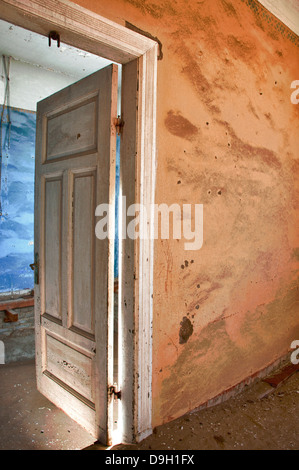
262,417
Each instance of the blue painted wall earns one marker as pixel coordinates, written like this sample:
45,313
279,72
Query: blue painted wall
17,200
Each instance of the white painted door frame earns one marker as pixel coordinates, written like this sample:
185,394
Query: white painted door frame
86,30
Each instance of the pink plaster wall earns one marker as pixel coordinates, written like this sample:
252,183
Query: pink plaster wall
227,137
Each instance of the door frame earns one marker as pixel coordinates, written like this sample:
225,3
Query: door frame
87,30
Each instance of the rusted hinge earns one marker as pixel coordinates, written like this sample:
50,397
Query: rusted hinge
119,124
35,267
115,392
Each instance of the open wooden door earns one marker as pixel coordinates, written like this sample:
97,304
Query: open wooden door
75,172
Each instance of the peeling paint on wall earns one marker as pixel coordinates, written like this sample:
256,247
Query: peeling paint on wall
179,125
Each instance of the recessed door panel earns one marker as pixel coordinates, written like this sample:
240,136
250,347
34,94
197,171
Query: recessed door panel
84,187
72,131
52,246
69,366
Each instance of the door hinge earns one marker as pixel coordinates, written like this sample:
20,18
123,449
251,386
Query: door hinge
119,124
35,267
113,390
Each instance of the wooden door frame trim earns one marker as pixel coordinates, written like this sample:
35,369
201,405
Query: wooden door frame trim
86,30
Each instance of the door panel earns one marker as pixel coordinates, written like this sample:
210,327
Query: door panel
64,130
75,171
52,246
70,366
83,253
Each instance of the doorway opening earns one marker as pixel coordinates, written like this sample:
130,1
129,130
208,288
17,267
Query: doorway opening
31,70
138,55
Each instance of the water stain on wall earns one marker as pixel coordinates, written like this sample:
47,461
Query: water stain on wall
186,330
216,345
180,126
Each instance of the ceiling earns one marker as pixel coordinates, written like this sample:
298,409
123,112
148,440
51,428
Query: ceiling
33,48
286,11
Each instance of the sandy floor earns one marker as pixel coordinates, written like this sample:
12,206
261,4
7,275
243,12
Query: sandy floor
28,421
261,417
